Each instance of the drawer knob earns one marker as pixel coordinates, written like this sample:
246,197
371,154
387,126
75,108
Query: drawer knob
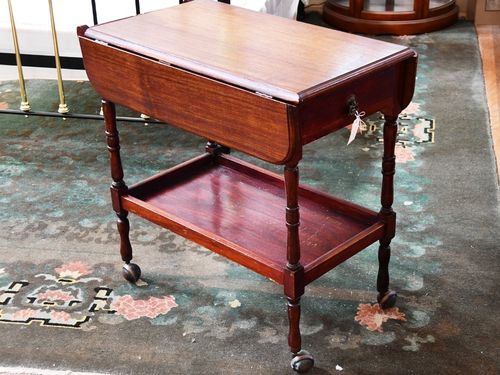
352,105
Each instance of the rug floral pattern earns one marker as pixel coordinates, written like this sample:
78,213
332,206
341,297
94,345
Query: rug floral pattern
70,297
83,296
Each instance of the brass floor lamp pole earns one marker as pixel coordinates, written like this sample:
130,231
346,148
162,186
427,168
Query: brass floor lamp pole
25,105
63,107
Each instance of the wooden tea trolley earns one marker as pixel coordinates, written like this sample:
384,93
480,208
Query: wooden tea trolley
265,86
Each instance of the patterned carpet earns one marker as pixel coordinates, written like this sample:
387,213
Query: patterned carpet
65,306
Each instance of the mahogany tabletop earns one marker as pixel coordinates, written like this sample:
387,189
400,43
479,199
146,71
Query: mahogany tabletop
283,58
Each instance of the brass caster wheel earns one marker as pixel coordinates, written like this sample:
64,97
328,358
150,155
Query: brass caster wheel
388,299
302,362
131,272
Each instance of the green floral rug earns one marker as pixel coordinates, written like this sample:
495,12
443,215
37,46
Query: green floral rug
64,304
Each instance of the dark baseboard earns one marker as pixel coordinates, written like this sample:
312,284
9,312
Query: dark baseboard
42,61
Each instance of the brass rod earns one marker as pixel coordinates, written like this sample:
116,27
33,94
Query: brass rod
63,108
25,105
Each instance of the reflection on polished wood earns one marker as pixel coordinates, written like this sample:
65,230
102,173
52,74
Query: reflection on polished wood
388,5
237,59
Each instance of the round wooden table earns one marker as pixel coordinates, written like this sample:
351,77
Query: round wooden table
399,17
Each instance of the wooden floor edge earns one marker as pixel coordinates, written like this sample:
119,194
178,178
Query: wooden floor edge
489,46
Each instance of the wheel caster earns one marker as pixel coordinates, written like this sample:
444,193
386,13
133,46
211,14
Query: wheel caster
388,299
131,272
302,362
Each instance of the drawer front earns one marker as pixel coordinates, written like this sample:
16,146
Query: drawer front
226,114
328,111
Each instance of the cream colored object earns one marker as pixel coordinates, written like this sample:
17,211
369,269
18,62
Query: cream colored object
314,5
34,371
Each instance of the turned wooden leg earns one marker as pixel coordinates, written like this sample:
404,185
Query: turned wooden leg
302,361
123,229
294,339
131,271
387,298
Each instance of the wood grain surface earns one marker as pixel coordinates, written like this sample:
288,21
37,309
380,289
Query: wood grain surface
489,44
239,211
231,116
265,86
283,58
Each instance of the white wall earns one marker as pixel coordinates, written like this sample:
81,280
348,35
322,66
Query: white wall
33,22
33,26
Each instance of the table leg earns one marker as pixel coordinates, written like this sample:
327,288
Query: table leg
215,148
131,271
387,298
302,361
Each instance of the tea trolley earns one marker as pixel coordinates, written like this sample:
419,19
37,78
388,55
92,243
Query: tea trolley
265,86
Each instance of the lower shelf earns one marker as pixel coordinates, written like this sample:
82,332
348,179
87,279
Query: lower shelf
238,210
